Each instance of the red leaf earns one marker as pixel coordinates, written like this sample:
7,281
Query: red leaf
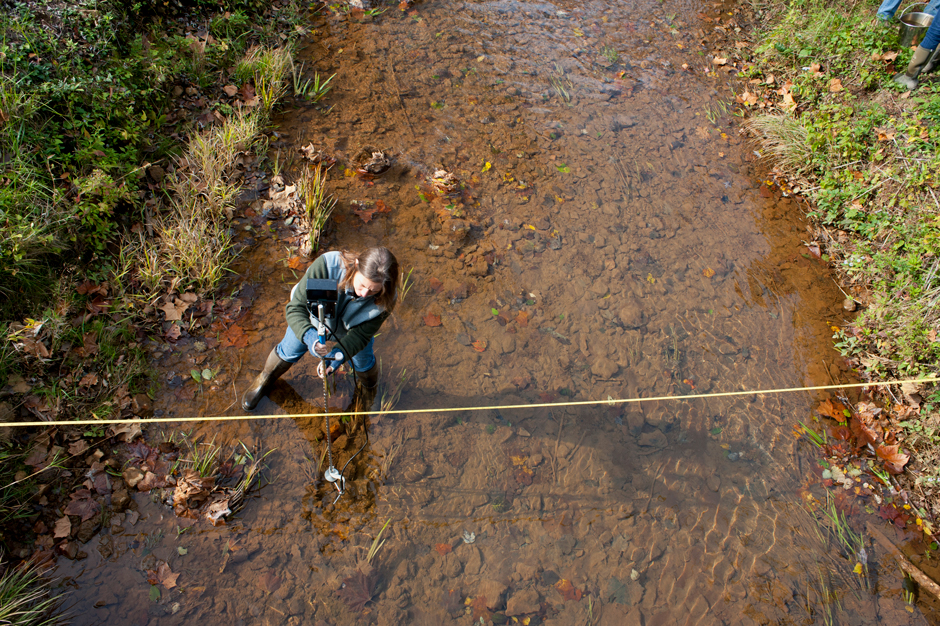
863,432
443,548
172,333
234,337
436,285
523,318
432,320
894,459
567,590
82,505
479,345
841,433
479,610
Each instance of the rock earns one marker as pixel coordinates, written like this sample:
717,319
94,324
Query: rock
88,528
654,439
619,122
713,482
120,500
526,571
492,591
631,316
848,304
523,602
604,368
452,566
474,562
132,476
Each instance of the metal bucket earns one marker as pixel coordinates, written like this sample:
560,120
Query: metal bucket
914,26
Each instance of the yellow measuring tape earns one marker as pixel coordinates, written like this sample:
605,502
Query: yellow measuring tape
500,407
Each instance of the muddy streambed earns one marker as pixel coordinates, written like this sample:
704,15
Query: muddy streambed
610,239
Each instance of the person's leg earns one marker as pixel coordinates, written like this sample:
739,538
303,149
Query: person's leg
920,62
888,9
932,6
367,377
285,354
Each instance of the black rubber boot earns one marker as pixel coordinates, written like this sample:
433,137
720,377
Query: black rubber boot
274,367
367,383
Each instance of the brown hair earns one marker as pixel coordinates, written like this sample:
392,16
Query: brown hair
378,265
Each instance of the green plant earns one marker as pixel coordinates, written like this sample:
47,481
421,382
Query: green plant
490,429
267,68
319,206
610,54
313,89
25,597
562,84
404,285
377,543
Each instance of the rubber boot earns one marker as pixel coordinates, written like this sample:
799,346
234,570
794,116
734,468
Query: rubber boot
274,367
367,383
918,62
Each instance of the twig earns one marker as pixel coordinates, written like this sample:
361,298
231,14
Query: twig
922,579
401,101
652,485
555,453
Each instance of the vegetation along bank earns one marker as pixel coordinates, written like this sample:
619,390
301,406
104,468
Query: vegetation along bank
127,132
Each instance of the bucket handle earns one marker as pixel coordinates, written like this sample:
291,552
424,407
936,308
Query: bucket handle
904,11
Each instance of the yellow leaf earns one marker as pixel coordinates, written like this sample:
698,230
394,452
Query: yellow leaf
559,199
708,272
579,32
858,568
725,446
530,226
650,279
486,167
348,173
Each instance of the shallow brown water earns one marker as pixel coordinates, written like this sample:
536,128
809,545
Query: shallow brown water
630,251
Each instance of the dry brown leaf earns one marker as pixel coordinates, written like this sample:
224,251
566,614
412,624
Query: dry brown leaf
165,575
88,380
835,85
719,61
230,90
63,528
814,69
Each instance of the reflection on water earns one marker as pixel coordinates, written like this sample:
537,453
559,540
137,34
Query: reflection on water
608,240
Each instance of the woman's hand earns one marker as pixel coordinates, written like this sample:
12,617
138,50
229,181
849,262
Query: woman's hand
320,373
321,350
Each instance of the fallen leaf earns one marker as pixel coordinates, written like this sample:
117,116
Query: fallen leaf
719,61
88,380
479,345
432,320
63,528
443,548
894,459
165,575
436,285
814,70
522,318
835,85
173,333
172,311
486,167
708,272
480,612
82,505
834,410
747,98
234,337
567,590
230,90
77,447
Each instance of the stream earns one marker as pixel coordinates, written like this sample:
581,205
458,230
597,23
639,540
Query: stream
610,238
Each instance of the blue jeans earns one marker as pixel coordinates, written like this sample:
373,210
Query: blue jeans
292,349
889,7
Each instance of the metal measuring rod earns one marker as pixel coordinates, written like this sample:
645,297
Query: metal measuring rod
322,295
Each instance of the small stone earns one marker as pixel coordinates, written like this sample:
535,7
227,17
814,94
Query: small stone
849,304
713,482
523,602
631,316
654,439
492,591
132,476
604,368
634,575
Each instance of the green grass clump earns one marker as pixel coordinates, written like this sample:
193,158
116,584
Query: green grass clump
25,598
869,160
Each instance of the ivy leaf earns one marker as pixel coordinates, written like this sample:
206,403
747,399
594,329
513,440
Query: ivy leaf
494,311
154,593
197,376
563,168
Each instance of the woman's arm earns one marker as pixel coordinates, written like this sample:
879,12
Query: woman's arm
298,318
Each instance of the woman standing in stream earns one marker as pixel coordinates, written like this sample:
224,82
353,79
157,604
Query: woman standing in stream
368,285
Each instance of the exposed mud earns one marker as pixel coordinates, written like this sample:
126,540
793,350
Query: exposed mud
605,238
